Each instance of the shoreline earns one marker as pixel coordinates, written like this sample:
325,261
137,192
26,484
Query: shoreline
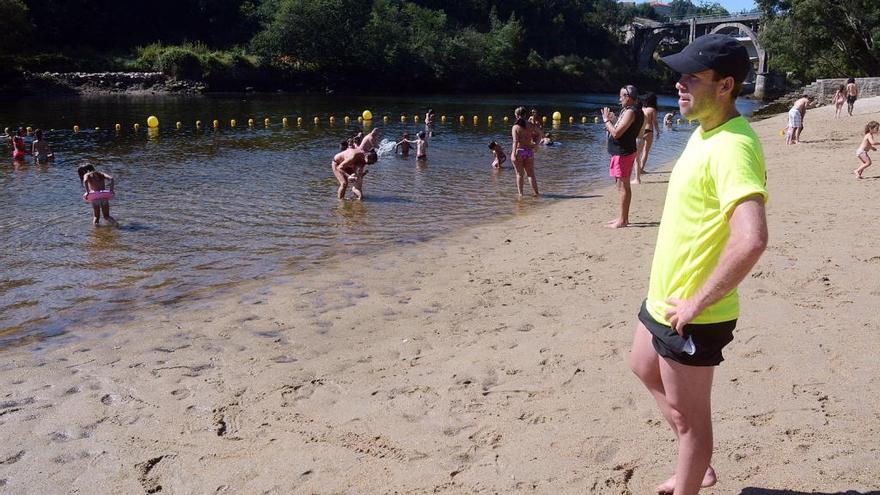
488,359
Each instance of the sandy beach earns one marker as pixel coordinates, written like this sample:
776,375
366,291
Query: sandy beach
487,361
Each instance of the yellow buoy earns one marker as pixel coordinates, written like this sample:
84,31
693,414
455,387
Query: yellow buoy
489,118
216,124
30,129
266,121
332,119
97,128
461,119
347,119
678,121
198,124
544,119
476,120
284,121
179,125
137,126
232,123
360,119
367,115
317,120
250,122
299,121
118,127
76,128
595,120
416,119
557,116
571,120
583,120
403,118
386,119
443,119
152,121
506,119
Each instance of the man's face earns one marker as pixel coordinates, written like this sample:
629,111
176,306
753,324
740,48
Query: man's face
698,94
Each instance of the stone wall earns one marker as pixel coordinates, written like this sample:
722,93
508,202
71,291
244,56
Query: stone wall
822,90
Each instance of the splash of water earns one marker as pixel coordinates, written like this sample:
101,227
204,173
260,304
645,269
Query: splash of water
386,147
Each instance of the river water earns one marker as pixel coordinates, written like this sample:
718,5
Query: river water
202,210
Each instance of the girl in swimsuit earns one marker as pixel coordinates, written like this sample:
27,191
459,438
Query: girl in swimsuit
839,98
18,147
868,144
649,109
525,134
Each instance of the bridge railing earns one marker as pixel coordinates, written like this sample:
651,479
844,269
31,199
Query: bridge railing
739,15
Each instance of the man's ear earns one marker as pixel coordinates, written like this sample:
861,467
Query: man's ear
727,85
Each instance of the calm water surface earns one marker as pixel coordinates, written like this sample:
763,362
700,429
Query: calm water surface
202,210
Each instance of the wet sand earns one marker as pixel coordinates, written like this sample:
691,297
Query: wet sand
488,361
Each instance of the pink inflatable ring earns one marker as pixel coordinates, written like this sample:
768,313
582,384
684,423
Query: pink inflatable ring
96,195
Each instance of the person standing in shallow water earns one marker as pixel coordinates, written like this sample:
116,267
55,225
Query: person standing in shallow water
712,233
525,134
622,134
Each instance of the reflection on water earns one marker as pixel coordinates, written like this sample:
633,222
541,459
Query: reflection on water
204,209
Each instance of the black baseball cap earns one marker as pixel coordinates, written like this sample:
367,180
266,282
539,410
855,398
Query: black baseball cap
720,52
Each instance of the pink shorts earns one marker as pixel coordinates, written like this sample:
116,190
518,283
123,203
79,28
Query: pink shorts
622,165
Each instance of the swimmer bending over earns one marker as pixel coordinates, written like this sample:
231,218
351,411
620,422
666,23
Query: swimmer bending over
350,165
525,134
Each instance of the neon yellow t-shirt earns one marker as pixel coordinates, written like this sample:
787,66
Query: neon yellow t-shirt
716,170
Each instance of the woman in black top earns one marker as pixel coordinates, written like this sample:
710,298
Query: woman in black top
622,134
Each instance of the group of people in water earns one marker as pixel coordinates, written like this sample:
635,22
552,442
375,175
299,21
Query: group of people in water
631,136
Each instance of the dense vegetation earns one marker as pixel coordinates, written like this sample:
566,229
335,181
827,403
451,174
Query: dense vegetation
341,44
819,39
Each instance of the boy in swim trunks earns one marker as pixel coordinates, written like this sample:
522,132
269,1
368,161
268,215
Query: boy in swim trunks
421,147
796,120
712,233
500,157
868,144
40,148
852,94
94,181
403,145
350,165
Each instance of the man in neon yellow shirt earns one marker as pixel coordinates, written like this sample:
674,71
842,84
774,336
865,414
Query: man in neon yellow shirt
712,233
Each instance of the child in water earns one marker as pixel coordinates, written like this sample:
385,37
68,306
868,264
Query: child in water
94,181
18,147
500,157
40,148
547,140
868,144
403,145
421,147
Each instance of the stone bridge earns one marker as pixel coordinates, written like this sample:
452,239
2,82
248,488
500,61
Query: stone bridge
646,36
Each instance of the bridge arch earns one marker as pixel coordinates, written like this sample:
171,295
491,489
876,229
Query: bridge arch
740,27
646,52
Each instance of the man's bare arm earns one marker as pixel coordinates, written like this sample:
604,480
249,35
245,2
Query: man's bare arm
747,241
623,124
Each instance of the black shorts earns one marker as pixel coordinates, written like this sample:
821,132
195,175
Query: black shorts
708,339
851,99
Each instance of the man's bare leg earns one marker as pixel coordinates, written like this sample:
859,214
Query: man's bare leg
97,212
688,393
645,364
358,187
343,183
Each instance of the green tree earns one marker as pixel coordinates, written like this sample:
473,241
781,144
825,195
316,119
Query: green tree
15,28
815,39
